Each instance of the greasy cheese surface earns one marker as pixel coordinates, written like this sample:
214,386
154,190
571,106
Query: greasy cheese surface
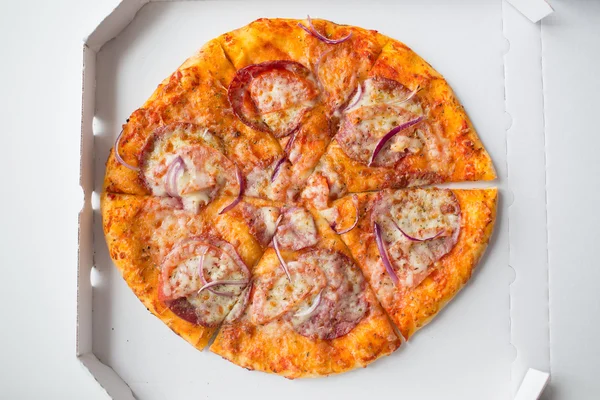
276,346
412,307
312,137
141,231
203,170
281,98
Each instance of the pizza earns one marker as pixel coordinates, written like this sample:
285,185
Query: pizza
276,195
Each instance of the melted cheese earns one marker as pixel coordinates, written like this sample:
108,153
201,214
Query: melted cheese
281,98
275,294
375,94
269,216
431,215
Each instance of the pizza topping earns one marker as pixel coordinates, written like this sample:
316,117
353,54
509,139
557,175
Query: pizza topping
356,98
348,229
414,229
414,239
316,191
118,156
238,309
313,31
272,96
378,90
275,294
285,156
383,253
296,229
241,186
261,221
185,161
280,257
175,168
310,308
339,306
378,127
390,135
222,282
202,276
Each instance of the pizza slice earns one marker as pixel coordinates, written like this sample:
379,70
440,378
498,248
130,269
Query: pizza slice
310,312
403,127
416,247
188,269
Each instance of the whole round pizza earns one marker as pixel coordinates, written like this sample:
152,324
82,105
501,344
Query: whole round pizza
275,193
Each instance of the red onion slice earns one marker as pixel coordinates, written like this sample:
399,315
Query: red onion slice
223,282
276,247
412,238
312,31
118,156
390,135
277,167
203,279
242,185
175,168
355,201
312,308
383,253
358,94
286,150
410,96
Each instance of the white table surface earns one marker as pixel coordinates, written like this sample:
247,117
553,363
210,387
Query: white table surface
40,102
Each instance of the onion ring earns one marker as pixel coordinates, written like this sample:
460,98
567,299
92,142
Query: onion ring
118,156
242,185
310,309
312,31
383,253
276,247
175,168
390,135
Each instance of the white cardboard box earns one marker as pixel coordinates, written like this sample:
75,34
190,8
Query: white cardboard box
478,347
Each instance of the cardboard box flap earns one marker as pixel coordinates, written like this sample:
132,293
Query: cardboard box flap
527,181
114,23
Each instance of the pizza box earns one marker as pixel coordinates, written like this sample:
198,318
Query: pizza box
479,346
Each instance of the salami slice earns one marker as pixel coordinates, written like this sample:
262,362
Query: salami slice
296,229
273,96
341,304
275,295
192,264
186,161
262,221
418,228
382,105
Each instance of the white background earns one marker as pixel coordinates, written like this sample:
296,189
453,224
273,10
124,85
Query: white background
40,102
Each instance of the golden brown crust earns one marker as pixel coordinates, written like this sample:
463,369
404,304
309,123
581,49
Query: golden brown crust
412,309
276,348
